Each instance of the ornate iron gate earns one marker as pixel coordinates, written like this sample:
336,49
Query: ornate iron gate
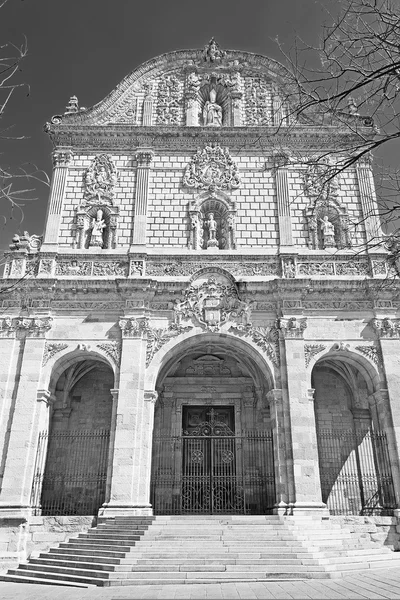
355,472
70,472
213,471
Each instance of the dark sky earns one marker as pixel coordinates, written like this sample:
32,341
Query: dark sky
87,47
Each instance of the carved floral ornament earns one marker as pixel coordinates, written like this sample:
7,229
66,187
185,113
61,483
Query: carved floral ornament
100,180
212,169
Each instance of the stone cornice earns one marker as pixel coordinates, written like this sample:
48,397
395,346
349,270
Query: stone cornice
124,137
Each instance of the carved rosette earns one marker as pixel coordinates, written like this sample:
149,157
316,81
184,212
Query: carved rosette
51,349
386,328
212,169
311,350
292,328
100,180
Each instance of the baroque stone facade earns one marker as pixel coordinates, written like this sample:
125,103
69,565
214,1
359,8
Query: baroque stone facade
194,275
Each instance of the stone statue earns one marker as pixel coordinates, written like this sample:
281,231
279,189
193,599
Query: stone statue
211,225
98,224
328,233
212,112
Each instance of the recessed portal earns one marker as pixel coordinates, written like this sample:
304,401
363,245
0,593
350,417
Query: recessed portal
212,445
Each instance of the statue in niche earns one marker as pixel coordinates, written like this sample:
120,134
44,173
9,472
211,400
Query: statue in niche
328,233
211,225
212,112
97,227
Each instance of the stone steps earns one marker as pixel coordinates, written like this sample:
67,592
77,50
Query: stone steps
125,551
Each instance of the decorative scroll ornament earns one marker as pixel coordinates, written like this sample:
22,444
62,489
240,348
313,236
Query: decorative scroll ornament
100,180
267,338
156,338
30,243
212,169
387,328
311,350
112,349
212,304
51,350
293,327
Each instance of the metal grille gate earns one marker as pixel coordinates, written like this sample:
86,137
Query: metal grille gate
355,472
70,472
213,474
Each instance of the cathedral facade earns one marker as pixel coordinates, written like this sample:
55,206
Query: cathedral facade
204,327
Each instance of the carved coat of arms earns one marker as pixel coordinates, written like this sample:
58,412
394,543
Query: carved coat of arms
212,169
212,304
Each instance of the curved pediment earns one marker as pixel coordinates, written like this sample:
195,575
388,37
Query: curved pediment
208,87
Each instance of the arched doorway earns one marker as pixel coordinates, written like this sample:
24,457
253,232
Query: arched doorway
72,457
354,462
212,443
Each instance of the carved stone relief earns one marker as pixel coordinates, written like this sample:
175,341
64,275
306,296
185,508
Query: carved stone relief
51,349
112,349
169,101
372,352
211,304
268,267
212,169
387,327
100,180
293,327
258,102
267,338
311,350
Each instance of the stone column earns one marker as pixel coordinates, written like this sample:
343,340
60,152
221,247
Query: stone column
61,161
388,330
127,496
380,404
282,196
147,116
368,199
150,398
277,414
306,479
29,414
114,395
144,159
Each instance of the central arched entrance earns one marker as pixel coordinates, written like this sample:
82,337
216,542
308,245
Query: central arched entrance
212,443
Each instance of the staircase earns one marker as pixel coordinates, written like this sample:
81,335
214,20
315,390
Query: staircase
204,549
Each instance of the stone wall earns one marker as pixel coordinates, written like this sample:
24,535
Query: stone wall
20,539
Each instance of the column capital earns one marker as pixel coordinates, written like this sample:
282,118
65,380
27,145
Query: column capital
386,327
61,158
292,327
274,395
144,157
132,327
114,393
310,394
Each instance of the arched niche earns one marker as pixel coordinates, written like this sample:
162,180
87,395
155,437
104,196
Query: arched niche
96,227
224,213
353,449
334,214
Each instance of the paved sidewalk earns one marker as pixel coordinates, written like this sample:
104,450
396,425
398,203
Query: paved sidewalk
379,584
